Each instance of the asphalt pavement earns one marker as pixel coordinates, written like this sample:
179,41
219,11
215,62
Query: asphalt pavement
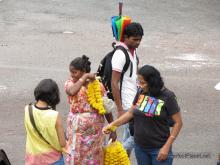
38,39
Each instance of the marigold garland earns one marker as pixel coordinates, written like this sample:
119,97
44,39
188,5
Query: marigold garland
113,128
95,97
115,154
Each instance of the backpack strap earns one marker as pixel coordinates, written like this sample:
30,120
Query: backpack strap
33,123
137,59
127,63
4,158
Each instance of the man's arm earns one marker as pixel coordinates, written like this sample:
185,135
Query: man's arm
116,91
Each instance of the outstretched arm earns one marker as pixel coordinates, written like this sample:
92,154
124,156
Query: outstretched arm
126,117
109,118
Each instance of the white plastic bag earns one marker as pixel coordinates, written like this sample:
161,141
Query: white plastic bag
109,104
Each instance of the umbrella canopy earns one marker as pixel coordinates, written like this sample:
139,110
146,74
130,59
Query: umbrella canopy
118,25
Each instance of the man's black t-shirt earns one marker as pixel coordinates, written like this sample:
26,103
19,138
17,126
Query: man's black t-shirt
151,117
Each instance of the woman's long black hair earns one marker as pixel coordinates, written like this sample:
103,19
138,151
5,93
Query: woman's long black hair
152,76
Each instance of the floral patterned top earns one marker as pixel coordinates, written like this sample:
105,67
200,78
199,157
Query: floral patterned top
79,102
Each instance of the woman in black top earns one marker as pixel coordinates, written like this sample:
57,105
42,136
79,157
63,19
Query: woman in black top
152,111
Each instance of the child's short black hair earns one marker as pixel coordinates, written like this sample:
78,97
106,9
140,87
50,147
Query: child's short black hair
47,90
133,29
81,63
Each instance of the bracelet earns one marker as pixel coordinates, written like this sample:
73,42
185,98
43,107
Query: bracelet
81,80
172,136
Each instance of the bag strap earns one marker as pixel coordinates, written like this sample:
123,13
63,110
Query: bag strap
127,60
127,63
137,58
4,158
33,123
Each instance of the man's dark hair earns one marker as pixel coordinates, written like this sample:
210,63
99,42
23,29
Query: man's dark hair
133,29
152,76
47,90
81,63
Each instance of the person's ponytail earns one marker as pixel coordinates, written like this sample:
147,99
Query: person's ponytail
86,63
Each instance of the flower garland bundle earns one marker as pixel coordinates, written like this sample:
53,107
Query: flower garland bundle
113,128
115,154
95,97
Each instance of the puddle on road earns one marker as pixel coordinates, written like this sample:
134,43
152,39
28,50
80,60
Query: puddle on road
217,87
195,60
191,57
67,32
2,87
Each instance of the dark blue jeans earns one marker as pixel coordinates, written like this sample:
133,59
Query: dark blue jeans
149,156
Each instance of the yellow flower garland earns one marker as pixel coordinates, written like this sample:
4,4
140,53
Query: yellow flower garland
95,97
115,154
113,128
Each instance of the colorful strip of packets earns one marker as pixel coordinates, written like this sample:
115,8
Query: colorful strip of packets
118,25
115,154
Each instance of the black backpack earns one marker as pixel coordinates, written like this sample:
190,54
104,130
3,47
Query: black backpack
105,69
3,158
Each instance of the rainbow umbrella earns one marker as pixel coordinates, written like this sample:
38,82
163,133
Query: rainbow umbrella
119,23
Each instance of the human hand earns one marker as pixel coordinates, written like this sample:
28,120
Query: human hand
108,129
163,153
90,76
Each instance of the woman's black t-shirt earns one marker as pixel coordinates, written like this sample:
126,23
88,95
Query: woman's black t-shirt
151,115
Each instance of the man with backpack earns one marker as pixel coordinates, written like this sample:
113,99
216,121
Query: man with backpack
124,80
